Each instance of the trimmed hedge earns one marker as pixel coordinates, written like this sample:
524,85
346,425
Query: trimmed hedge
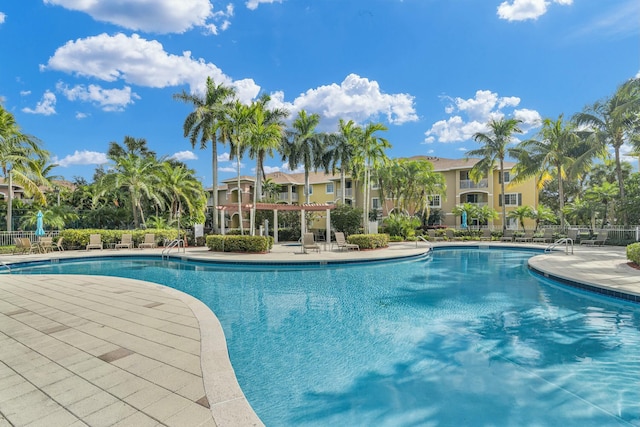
369,241
259,244
78,239
633,253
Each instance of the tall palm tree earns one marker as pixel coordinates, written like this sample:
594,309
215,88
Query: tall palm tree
180,186
341,151
495,148
19,156
209,111
130,145
235,128
559,153
304,146
613,122
265,136
369,155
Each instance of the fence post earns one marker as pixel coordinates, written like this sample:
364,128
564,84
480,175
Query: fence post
637,233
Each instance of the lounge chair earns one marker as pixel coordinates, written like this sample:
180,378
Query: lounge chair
507,236
342,244
149,241
45,244
58,245
433,236
547,237
574,235
125,242
309,243
448,233
599,240
95,242
527,237
486,234
23,244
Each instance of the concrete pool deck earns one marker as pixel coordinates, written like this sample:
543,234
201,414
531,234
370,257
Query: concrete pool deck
89,350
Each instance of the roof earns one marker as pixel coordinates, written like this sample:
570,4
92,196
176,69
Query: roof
441,164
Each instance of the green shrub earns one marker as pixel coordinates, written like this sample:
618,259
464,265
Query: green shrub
346,219
633,253
396,239
79,238
230,243
369,241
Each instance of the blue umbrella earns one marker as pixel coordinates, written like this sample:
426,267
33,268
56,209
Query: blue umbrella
464,219
39,229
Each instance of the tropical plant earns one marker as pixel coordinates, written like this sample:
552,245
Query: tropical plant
520,213
270,189
542,215
560,153
304,146
158,222
53,217
346,219
181,188
20,157
484,214
602,196
341,149
201,125
495,148
401,225
613,121
468,209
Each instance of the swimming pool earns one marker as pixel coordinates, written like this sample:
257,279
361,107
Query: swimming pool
464,337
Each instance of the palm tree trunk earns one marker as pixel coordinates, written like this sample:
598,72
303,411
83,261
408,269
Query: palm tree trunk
239,189
342,185
561,197
214,169
306,185
620,184
504,202
10,201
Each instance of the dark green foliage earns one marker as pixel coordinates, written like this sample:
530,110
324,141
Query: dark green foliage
78,239
346,219
633,253
254,244
369,241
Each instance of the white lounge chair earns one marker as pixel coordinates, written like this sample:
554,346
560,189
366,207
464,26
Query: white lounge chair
149,241
599,240
527,237
125,242
342,244
486,234
309,243
547,236
95,242
507,236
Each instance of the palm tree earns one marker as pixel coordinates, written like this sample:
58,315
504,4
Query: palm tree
139,177
613,122
520,213
341,151
369,154
19,157
559,153
265,136
131,145
494,149
304,146
179,185
602,195
209,111
542,214
235,128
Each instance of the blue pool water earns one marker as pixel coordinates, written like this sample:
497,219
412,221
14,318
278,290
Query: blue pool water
465,337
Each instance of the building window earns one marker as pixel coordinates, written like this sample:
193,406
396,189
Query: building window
511,199
375,203
329,188
375,185
472,198
464,175
434,201
310,189
507,177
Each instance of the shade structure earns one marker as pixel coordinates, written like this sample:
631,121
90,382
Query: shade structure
463,223
39,229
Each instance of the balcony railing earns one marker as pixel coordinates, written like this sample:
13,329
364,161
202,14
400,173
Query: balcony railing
284,197
467,183
348,193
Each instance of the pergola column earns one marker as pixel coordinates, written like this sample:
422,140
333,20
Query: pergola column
327,236
275,225
222,227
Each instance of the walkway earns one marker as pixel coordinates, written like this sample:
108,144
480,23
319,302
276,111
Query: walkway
86,350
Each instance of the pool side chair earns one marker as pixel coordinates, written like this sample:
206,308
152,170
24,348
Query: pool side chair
342,244
547,237
58,245
450,235
507,236
149,241
528,237
95,242
486,234
45,244
125,242
599,240
309,243
433,236
23,244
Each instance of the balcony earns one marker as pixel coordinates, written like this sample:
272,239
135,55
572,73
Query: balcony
467,183
348,193
284,197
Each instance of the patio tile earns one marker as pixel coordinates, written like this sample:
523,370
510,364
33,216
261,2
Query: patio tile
193,415
110,415
168,406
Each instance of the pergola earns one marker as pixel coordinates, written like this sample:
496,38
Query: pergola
275,207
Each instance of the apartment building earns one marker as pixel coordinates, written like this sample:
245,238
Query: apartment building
326,189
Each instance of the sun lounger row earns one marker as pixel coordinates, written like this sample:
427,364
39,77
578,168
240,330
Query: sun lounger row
126,242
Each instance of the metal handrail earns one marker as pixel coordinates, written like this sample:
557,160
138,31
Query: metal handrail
179,243
6,265
566,240
424,240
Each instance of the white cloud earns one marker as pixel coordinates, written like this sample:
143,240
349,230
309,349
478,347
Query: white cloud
356,98
106,99
83,157
253,4
479,110
157,16
25,92
621,20
224,157
521,10
184,155
2,17
46,106
80,115
271,169
141,62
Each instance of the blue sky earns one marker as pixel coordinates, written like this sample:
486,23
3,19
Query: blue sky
80,74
